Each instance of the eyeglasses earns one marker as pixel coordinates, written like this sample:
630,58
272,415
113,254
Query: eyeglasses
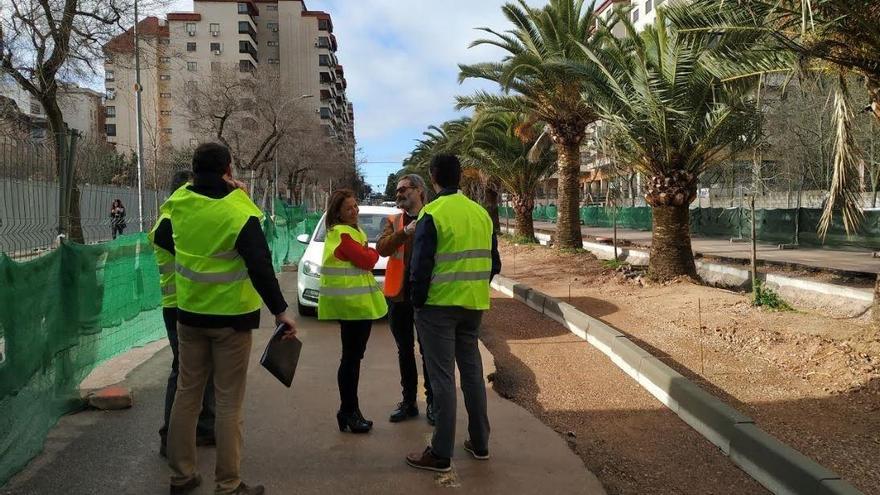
401,190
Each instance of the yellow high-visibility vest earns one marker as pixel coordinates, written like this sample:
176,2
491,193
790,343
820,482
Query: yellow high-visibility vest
347,292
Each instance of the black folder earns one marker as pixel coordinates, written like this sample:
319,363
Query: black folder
281,356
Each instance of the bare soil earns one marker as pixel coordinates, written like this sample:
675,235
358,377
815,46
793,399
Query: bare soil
811,380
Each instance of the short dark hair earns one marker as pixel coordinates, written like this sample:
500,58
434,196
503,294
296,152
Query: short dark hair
446,170
180,178
211,158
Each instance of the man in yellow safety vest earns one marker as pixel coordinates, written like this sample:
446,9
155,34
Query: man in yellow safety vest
223,275
455,256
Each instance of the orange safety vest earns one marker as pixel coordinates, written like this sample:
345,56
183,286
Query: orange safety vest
395,269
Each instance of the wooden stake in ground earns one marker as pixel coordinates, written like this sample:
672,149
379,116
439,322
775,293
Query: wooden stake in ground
700,323
754,261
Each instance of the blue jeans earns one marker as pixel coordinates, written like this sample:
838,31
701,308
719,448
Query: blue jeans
205,426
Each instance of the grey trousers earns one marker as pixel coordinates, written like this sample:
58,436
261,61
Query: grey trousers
450,335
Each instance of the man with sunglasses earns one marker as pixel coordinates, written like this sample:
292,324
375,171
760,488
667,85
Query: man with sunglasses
396,243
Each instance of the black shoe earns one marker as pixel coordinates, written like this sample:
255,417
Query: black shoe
362,418
187,487
353,423
429,413
249,490
405,410
482,455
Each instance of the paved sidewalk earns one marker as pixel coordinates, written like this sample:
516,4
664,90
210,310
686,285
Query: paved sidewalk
292,444
850,261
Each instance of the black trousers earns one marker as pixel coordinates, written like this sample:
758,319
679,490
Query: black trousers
401,319
355,335
205,426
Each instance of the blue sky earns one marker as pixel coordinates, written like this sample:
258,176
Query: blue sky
400,60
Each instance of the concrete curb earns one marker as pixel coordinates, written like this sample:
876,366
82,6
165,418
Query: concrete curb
778,467
851,301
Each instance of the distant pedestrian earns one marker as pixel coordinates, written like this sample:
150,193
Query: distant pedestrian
205,428
455,255
117,218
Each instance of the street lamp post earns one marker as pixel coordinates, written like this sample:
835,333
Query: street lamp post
139,119
281,109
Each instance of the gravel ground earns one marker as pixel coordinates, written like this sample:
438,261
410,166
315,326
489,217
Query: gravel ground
625,436
811,380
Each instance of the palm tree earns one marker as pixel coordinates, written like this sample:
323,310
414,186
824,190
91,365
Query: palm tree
536,85
499,145
671,119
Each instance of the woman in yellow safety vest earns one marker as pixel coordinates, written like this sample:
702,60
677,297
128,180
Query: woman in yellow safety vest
349,293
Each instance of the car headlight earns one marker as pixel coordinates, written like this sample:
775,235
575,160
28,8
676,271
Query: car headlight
312,269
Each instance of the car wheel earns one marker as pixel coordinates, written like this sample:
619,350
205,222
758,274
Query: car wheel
305,310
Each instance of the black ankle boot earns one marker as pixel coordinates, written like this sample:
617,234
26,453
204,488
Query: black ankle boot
352,422
362,418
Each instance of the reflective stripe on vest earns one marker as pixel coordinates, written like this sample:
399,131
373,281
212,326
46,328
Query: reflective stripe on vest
396,267
347,292
463,260
210,276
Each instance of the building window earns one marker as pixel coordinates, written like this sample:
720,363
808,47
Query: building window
109,75
190,86
110,129
323,25
271,7
635,15
111,112
164,77
325,78
272,26
190,46
273,61
191,66
164,95
215,47
214,28
165,60
166,130
649,4
191,28
323,42
271,43
111,94
325,113
243,8
324,60
165,112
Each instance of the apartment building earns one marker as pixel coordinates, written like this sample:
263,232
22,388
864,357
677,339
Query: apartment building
188,47
83,108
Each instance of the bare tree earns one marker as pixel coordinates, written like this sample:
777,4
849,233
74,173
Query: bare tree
43,42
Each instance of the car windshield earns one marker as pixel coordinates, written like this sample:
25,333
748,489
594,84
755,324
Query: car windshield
370,222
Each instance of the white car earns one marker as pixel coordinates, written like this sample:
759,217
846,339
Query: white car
371,220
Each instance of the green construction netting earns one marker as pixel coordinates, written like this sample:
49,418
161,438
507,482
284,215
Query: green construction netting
60,316
290,222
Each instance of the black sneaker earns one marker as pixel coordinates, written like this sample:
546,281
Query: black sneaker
249,490
482,455
187,487
404,410
428,461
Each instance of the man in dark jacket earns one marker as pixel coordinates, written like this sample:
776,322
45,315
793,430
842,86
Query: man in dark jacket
223,271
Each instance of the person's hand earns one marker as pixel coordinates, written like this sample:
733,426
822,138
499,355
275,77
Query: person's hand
235,183
284,318
410,228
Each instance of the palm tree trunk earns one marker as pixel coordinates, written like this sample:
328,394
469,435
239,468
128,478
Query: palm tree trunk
523,204
670,197
568,224
671,252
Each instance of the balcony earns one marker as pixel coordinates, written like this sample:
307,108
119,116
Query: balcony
245,27
248,8
246,66
326,114
245,46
